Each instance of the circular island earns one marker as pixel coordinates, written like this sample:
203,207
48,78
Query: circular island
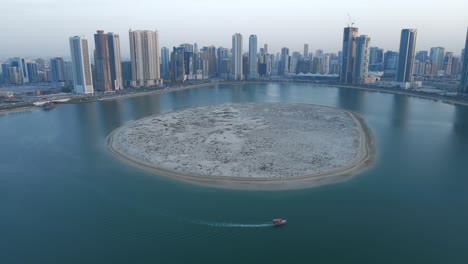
256,146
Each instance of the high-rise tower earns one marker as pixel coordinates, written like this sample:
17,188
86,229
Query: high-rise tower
284,62
237,57
82,77
349,47
464,78
102,62
306,50
57,67
437,57
407,54
253,72
165,62
144,53
115,62
361,60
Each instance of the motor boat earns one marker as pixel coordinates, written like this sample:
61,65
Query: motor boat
279,222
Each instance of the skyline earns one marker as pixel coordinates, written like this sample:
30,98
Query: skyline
212,23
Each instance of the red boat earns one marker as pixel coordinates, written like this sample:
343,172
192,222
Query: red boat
279,222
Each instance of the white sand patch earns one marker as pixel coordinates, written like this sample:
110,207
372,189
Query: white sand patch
246,141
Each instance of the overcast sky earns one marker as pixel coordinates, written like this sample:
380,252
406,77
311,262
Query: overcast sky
34,28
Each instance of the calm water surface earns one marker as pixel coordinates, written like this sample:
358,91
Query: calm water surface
65,199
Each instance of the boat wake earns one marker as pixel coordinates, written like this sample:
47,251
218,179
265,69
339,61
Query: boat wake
233,225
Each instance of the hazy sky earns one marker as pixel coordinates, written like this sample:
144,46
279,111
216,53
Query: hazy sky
33,28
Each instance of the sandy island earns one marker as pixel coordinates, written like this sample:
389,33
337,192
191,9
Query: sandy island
253,146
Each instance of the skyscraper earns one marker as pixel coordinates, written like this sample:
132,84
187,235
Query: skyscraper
32,72
237,57
178,65
390,63
82,77
361,60
57,70
115,61
223,58
376,59
284,62
422,56
437,58
253,72
20,63
144,53
349,46
407,53
464,75
326,64
306,50
448,63
102,62
265,48
68,72
165,62
188,47
126,72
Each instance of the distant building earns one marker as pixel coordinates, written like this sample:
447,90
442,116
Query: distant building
245,64
284,62
57,69
144,53
178,65
165,63
437,57
406,55
317,65
68,72
326,64
82,76
464,75
390,63
187,47
448,60
264,65
422,56
306,50
237,69
126,73
376,56
253,69
209,55
102,78
5,73
115,61
41,64
349,46
222,56
361,60
456,66
20,63
32,72
15,76
189,70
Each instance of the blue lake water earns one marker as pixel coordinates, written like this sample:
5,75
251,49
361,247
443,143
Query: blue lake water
65,199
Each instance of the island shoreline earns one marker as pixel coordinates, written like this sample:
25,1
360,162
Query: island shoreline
362,161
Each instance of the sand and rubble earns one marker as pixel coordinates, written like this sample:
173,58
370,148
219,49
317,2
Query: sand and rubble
249,145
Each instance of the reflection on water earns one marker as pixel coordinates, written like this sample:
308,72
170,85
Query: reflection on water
351,99
400,110
460,121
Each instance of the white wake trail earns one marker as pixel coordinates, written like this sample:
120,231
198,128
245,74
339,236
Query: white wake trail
220,224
